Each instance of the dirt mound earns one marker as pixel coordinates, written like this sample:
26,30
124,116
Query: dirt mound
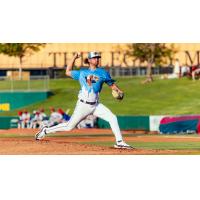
22,142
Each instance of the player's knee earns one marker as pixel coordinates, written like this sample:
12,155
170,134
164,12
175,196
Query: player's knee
67,127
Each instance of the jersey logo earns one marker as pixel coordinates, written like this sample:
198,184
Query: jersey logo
91,79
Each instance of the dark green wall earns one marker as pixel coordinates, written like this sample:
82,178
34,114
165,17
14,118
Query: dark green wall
5,122
14,100
125,122
128,123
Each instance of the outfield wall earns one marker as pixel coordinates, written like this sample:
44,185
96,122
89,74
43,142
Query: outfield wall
6,123
125,123
13,100
128,123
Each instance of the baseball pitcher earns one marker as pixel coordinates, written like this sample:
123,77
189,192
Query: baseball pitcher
91,81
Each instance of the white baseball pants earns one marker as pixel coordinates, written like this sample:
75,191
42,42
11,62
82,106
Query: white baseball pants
81,111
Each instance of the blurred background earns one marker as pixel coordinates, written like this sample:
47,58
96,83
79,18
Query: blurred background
157,78
51,58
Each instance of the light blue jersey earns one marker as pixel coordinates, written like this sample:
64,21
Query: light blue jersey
91,82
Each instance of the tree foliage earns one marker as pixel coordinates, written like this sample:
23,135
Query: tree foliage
152,53
20,49
156,53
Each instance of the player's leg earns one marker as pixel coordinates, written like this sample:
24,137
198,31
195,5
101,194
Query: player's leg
103,112
193,75
80,112
23,124
19,124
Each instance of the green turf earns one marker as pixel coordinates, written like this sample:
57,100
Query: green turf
162,97
157,145
20,85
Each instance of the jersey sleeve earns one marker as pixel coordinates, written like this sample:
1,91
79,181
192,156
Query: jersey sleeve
75,74
109,81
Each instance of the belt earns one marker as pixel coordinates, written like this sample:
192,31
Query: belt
91,103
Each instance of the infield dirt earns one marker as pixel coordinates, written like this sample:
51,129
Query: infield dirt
22,142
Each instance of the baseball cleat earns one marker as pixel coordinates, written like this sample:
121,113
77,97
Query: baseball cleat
122,145
41,134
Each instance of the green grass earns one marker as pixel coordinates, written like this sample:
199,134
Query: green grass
157,145
20,85
162,97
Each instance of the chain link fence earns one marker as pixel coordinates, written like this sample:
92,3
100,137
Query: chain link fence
35,83
138,71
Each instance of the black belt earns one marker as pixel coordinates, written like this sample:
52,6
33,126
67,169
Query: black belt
91,103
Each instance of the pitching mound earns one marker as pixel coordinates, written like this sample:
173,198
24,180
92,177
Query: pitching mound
83,142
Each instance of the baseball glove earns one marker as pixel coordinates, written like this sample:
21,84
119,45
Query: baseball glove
117,95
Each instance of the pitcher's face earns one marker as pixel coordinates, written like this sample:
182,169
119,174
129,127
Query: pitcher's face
94,61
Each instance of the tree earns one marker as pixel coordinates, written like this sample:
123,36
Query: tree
152,53
20,50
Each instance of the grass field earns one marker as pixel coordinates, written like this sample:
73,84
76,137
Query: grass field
158,145
158,98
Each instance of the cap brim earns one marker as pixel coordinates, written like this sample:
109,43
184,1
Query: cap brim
95,57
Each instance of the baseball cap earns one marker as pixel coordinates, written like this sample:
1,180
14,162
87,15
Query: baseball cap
94,55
